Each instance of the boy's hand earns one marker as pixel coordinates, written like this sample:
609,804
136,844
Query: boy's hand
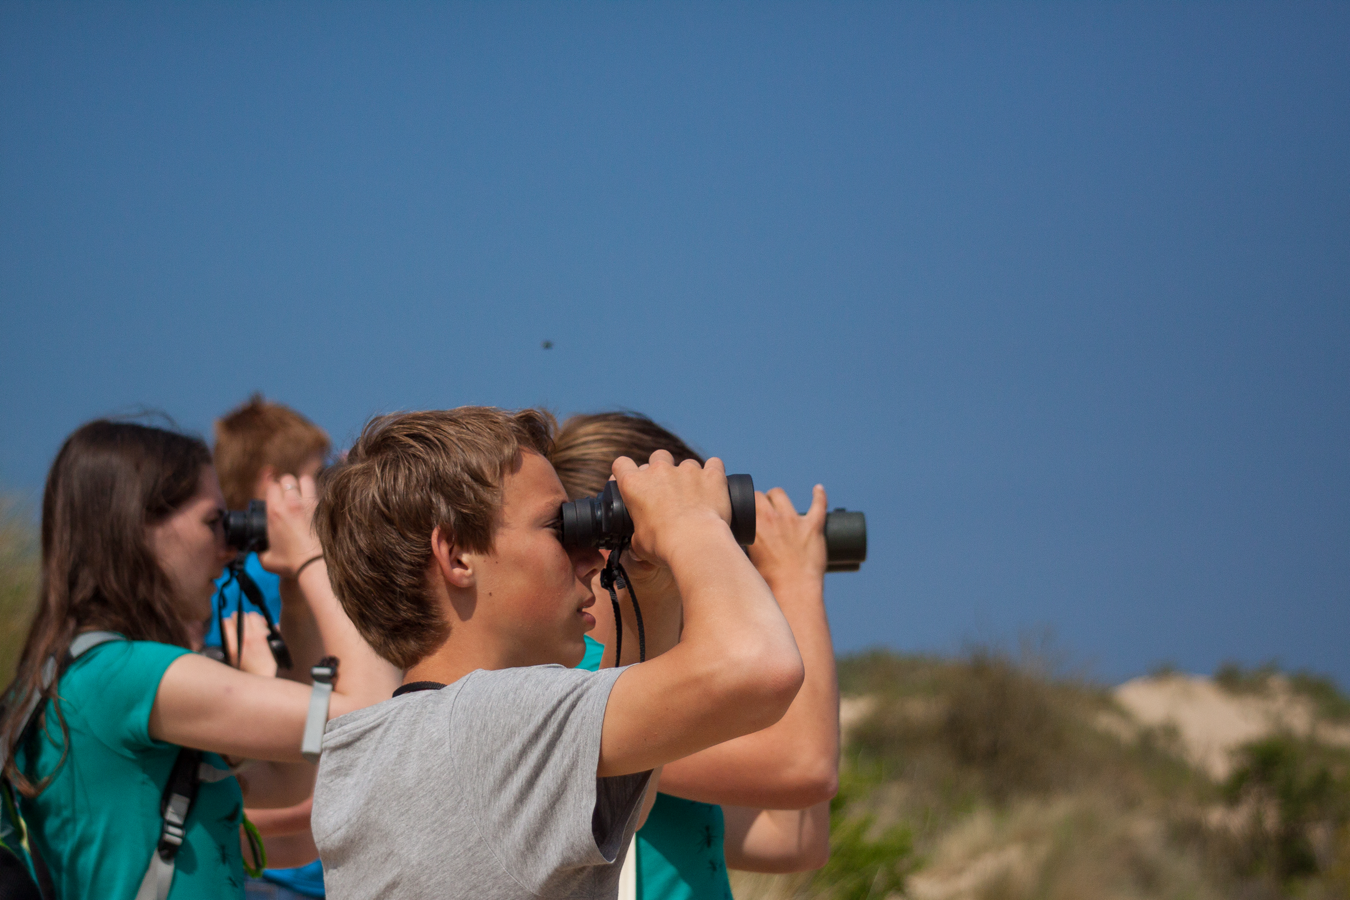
789,546
257,659
650,579
667,502
290,533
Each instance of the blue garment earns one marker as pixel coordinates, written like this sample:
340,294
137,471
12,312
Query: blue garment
269,584
306,880
258,889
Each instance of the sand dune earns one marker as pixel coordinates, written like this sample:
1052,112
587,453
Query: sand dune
1211,722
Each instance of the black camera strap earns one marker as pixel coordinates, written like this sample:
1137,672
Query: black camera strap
248,589
614,578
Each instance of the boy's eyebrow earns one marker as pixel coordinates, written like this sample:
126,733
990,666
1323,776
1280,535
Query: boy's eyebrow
550,512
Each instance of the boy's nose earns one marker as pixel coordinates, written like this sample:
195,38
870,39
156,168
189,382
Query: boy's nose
588,562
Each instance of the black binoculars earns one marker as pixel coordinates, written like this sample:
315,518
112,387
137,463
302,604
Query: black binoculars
602,521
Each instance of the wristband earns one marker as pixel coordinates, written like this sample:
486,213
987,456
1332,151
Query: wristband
312,559
324,675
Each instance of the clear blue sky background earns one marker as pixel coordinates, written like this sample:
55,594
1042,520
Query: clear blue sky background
1057,293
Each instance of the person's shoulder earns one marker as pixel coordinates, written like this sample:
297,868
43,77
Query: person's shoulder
414,704
496,696
119,667
122,654
530,678
110,690
595,654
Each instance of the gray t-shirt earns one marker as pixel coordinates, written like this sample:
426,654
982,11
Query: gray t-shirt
485,789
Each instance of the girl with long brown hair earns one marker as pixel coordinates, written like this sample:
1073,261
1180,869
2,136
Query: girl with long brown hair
132,542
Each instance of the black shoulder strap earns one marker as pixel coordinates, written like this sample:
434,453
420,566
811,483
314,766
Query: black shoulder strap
179,794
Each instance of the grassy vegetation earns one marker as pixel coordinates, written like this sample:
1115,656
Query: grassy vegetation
988,777
1327,699
18,582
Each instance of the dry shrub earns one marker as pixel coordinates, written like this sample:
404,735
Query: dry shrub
1091,846
18,582
984,728
1292,797
1012,788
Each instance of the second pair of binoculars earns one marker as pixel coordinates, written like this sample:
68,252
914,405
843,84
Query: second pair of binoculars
603,521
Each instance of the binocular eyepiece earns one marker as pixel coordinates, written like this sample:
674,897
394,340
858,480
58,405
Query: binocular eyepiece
603,522
246,529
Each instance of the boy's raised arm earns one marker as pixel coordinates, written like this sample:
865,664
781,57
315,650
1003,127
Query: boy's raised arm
736,668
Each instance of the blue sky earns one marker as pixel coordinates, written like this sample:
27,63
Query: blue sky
1056,293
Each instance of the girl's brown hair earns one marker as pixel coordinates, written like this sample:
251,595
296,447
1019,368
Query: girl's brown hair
109,483
587,445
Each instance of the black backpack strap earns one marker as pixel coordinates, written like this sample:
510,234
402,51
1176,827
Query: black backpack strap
179,795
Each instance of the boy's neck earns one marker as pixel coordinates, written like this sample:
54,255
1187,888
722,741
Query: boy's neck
454,659
449,663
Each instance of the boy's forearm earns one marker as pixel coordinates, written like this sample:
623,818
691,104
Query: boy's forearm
794,763
735,636
735,670
726,602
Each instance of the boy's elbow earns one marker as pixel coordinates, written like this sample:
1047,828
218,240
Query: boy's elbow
770,684
783,679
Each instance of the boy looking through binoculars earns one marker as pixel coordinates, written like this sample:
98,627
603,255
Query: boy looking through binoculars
498,771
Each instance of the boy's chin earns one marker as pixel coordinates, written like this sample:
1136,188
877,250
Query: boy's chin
572,653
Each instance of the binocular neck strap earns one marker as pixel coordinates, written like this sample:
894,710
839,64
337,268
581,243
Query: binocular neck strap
614,577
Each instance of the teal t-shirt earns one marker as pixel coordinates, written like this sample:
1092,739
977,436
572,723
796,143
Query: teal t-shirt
679,849
98,821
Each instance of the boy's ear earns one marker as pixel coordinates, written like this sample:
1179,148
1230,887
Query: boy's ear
451,562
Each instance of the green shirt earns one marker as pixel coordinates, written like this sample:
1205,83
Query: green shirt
679,849
98,821
680,855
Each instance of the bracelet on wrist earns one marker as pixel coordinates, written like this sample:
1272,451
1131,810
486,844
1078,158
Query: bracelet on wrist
301,568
